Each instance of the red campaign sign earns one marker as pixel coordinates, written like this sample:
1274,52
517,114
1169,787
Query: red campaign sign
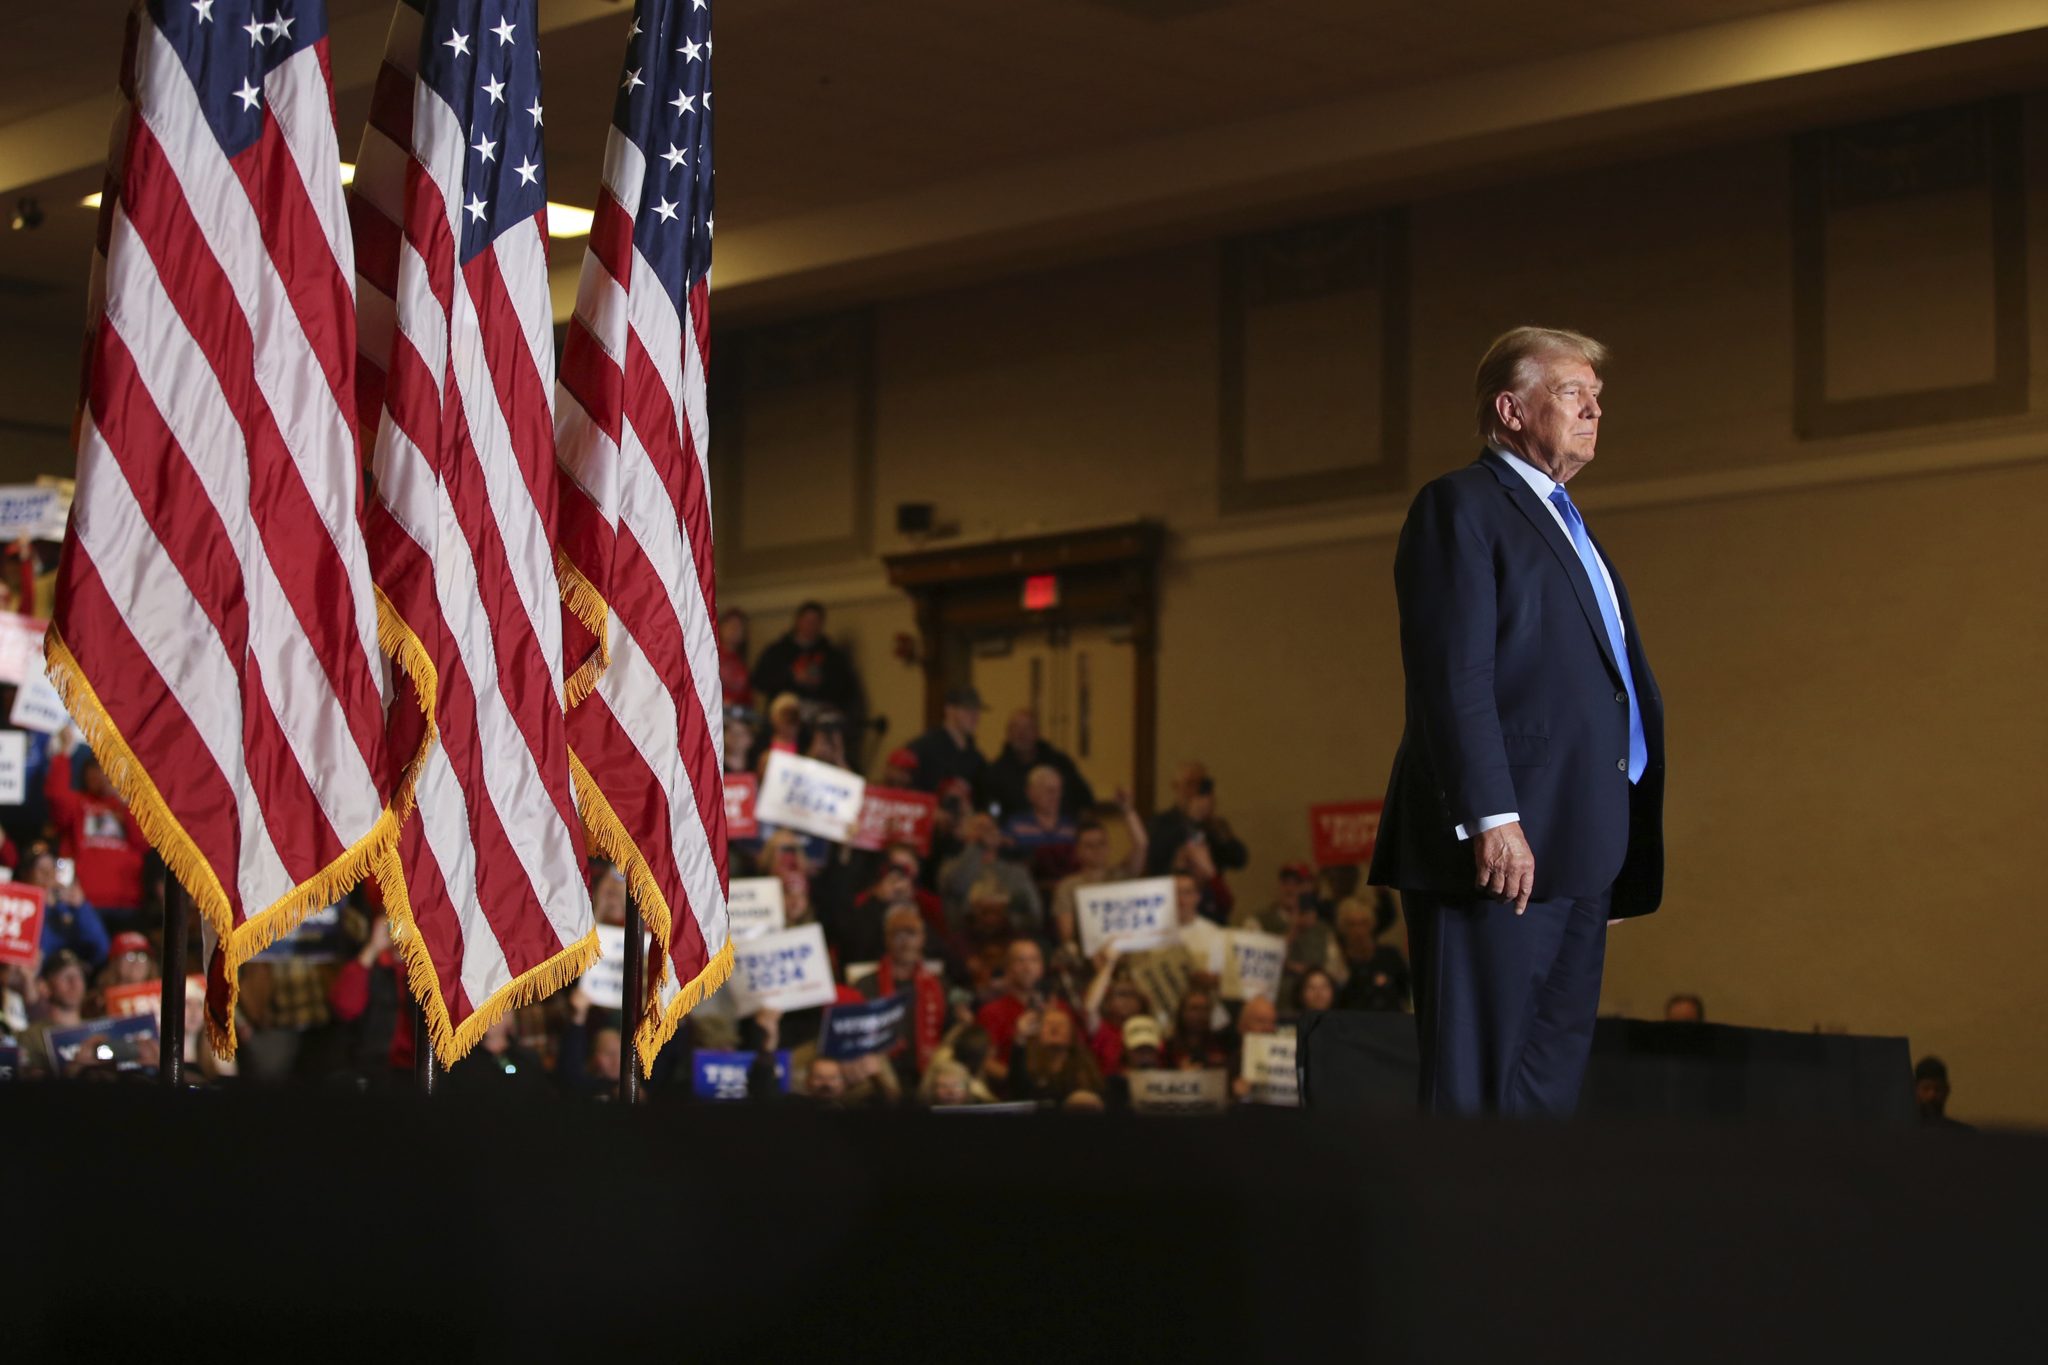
740,791
891,815
138,997
21,922
1344,831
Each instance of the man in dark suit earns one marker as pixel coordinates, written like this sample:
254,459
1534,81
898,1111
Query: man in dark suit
1525,810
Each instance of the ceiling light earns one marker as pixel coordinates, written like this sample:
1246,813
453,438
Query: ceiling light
566,220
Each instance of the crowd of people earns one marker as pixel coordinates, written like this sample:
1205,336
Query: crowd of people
978,933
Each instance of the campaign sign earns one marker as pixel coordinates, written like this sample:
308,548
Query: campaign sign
320,937
894,815
723,1075
13,767
1344,831
33,511
786,970
804,794
741,791
21,922
1252,963
857,1030
21,646
1179,1092
99,1042
137,997
1269,1069
10,1062
38,705
754,905
1136,914
604,981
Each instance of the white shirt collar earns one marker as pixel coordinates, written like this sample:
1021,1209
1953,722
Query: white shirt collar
1539,482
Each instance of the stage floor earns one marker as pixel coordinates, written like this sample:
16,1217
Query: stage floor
291,1225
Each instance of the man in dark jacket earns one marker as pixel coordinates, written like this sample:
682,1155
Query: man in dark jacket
1010,771
819,672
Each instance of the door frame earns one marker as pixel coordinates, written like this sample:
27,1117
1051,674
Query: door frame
1107,575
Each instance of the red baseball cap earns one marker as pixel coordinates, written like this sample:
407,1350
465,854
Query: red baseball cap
126,942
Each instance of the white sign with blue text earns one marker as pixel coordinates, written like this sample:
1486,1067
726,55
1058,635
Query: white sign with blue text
755,906
1136,914
803,794
786,970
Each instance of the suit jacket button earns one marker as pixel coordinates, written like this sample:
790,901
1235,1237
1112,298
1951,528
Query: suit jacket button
1621,764
1621,696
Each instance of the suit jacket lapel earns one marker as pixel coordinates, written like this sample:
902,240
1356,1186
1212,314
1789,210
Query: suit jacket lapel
1529,505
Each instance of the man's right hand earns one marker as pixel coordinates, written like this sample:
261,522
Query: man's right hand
1507,869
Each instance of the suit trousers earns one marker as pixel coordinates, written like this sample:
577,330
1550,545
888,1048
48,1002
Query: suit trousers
1505,1003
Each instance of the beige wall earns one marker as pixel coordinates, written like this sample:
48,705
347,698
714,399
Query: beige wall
1849,632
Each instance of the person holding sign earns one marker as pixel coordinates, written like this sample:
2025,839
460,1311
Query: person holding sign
70,921
1525,808
903,973
1016,1015
95,831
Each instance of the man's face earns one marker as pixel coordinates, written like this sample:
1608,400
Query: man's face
950,1088
1187,898
906,938
810,624
1258,1016
43,872
67,987
827,1080
1931,1092
604,1054
963,720
1025,966
608,898
1682,1012
894,887
732,631
1357,935
1021,733
1291,889
1560,418
739,737
95,780
1043,790
1091,849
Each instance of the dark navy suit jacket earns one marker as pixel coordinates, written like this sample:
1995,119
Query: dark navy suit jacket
1515,703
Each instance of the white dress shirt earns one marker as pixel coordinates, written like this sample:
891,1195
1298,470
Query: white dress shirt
1542,485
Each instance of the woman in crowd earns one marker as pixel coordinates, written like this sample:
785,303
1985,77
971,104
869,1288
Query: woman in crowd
1317,990
732,657
1197,1042
1054,1065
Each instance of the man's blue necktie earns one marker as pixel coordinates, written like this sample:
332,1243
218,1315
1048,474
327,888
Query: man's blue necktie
1610,615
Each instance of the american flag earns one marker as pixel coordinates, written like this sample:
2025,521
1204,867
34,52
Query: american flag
487,885
647,715
216,632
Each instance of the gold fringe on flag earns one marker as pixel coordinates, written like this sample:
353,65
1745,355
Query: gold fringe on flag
133,783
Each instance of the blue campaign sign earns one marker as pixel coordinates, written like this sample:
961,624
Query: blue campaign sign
101,1042
320,937
723,1075
857,1030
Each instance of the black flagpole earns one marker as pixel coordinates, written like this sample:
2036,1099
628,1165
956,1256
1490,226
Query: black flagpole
170,1027
425,1070
636,1004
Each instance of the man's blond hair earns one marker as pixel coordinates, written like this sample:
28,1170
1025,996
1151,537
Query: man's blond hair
1512,365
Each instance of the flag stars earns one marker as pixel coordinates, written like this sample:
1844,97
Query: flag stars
255,28
495,88
281,28
684,103
485,148
204,9
674,156
665,210
691,49
475,208
526,170
249,95
457,43
632,81
633,32
535,111
504,31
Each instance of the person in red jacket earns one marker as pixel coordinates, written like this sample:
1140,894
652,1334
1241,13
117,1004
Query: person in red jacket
95,831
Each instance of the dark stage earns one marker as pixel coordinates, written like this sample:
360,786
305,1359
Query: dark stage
287,1225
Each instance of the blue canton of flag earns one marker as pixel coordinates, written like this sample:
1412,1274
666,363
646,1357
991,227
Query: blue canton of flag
483,58
229,46
664,107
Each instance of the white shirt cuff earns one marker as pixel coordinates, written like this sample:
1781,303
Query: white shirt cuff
1490,822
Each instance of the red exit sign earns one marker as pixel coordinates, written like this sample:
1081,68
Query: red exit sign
1041,592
